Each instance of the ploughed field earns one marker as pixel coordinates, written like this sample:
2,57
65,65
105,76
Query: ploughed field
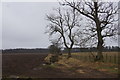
20,64
30,65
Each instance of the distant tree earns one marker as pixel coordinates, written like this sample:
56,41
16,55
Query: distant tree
53,49
66,25
102,18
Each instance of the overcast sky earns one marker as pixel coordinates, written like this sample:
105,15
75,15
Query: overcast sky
23,24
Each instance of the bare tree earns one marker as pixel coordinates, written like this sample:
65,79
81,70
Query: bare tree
65,25
102,17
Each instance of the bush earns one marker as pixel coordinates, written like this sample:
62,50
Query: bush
53,49
51,58
54,58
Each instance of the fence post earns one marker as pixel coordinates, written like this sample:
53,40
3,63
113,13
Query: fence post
106,58
114,58
89,58
80,57
85,58
110,58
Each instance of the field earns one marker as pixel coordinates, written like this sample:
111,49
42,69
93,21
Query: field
32,66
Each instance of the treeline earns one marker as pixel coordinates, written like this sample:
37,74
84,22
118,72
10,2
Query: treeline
46,50
37,50
94,49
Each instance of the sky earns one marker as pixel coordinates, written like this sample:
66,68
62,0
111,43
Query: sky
24,24
0,25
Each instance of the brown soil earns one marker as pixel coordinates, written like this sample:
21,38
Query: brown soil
28,65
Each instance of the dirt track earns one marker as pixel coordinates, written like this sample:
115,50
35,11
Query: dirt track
24,65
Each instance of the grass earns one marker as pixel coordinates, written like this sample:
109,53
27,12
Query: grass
78,60
109,57
49,66
107,65
112,69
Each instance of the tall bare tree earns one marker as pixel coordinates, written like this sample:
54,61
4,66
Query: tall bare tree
65,24
103,18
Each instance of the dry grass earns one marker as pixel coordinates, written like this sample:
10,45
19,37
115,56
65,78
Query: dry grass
109,57
94,53
107,65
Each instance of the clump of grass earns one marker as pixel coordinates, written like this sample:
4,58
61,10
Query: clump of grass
72,69
50,66
71,62
112,69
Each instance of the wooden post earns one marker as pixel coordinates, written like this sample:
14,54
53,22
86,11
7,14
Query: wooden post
115,59
83,57
106,57
89,58
110,58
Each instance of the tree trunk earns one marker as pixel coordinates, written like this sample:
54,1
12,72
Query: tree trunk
99,56
69,53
